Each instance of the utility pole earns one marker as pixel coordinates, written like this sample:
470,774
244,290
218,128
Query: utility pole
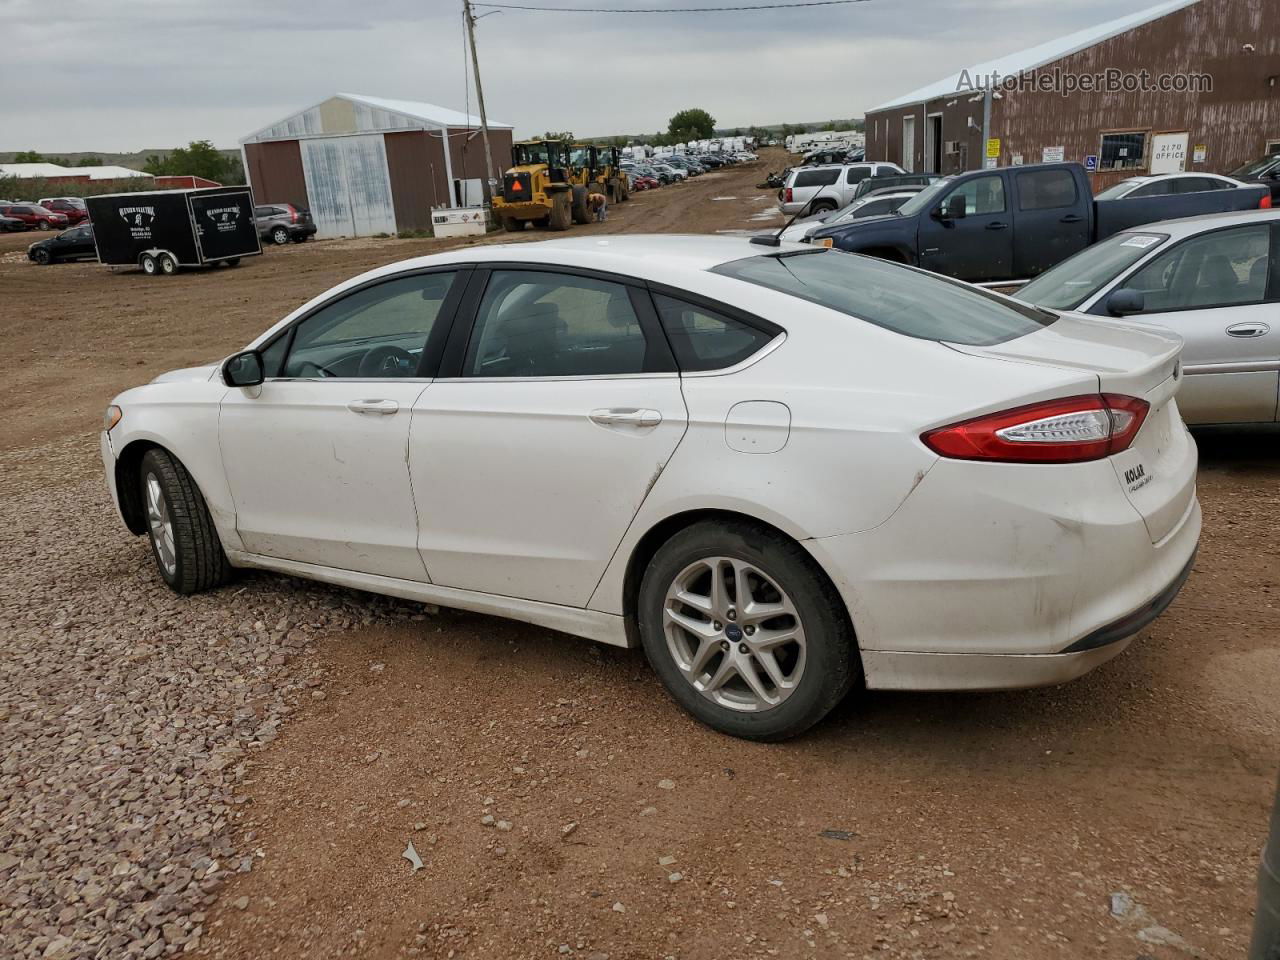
470,17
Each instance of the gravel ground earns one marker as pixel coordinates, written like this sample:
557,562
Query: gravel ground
239,774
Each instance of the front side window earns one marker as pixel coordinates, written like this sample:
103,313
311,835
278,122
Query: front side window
1218,269
705,339
1123,151
1046,190
377,332
909,302
982,195
857,174
533,323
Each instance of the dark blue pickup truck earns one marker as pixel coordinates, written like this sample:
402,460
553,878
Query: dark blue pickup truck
1013,223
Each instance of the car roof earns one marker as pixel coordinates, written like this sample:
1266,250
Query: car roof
1188,226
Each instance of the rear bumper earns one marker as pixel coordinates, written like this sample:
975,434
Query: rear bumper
988,579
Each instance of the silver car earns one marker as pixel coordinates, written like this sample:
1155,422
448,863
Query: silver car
1214,280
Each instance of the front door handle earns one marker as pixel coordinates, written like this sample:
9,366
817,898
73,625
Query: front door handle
383,407
996,225
1248,330
1071,218
626,417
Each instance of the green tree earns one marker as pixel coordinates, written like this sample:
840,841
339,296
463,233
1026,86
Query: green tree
197,159
89,162
692,124
28,156
562,135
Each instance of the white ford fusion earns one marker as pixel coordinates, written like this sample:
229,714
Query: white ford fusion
783,471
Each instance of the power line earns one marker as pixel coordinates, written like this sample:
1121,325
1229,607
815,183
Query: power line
758,6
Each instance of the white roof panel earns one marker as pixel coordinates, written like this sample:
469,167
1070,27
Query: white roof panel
1038,56
51,170
424,111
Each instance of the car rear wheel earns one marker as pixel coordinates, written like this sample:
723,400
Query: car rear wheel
300,238
232,261
184,542
280,236
149,265
168,265
822,206
42,257
745,631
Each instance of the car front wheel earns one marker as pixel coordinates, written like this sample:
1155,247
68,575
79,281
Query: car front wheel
745,631
184,542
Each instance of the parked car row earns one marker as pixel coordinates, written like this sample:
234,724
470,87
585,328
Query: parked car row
673,168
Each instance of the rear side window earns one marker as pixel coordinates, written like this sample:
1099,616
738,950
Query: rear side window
857,174
705,339
1046,190
816,178
910,302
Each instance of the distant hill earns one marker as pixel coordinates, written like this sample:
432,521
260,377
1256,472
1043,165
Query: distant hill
133,161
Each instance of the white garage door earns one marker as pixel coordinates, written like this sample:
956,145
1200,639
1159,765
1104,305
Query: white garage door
348,186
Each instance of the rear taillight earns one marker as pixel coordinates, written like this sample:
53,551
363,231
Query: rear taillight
1071,430
1265,202
293,214
787,197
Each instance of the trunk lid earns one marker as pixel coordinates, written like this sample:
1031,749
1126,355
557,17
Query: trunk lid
1157,472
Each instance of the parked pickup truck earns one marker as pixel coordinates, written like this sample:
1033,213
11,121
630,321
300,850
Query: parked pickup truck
1013,223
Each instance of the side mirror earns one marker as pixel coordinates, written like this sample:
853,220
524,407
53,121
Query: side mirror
1125,301
956,208
243,369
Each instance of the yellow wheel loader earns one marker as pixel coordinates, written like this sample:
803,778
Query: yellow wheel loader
539,187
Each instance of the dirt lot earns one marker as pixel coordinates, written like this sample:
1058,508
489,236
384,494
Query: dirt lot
236,775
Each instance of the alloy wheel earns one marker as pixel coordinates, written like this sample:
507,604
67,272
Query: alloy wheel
734,633
161,525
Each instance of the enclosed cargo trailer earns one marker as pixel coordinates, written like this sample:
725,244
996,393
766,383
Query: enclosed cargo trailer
163,230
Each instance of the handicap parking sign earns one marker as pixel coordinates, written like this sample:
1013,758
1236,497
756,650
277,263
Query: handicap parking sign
1091,163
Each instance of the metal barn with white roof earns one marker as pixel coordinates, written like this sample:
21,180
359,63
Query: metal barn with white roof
1223,54
367,165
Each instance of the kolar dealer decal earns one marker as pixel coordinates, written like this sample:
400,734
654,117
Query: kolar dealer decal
139,221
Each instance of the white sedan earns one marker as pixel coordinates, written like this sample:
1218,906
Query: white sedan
783,471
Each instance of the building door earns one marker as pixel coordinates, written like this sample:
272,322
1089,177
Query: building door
1169,152
348,186
933,143
909,144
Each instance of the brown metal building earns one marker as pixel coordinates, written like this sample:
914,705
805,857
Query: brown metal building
1209,99
367,165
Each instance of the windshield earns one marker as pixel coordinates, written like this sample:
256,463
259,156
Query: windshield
1075,280
579,156
1119,189
1257,167
530,153
909,302
924,200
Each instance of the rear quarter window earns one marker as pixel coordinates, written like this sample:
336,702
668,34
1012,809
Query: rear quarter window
816,178
913,303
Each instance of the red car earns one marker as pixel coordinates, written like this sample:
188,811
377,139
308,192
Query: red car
35,216
72,208
645,183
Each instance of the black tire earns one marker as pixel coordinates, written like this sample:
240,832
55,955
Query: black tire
581,207
42,257
300,238
232,261
513,224
279,236
822,206
831,665
199,560
168,266
150,266
561,216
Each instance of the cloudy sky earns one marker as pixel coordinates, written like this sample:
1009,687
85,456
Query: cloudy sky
122,75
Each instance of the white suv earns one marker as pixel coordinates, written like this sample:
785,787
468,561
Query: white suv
829,187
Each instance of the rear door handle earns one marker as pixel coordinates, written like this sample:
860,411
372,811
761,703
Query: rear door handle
1248,330
1071,218
626,417
996,225
383,407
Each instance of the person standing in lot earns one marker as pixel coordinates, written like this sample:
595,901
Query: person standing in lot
1266,921
599,204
